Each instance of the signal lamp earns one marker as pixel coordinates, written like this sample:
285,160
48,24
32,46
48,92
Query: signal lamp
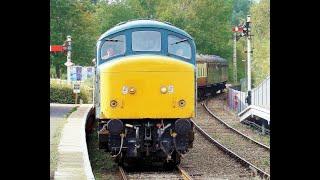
249,18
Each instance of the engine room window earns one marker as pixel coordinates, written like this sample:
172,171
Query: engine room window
113,47
179,46
146,41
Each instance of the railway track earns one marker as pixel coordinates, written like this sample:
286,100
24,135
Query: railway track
178,173
249,152
204,104
206,161
244,162
211,158
217,106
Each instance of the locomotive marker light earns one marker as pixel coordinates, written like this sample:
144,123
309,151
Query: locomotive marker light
113,103
182,103
132,90
125,90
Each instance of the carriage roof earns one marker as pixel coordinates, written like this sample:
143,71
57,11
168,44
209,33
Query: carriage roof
210,58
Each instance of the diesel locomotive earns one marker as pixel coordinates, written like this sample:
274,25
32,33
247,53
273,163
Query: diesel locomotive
145,91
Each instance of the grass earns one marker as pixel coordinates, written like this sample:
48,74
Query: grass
102,164
71,111
55,142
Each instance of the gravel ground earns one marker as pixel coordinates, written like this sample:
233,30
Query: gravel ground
145,170
218,105
235,142
206,161
154,175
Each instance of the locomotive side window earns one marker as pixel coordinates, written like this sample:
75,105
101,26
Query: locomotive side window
113,47
179,47
146,41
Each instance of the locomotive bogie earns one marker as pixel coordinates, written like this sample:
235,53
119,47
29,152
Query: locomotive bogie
157,138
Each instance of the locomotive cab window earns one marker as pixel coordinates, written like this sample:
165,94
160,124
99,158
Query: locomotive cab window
179,47
113,47
146,41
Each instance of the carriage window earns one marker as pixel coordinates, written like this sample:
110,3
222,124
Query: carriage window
113,47
179,46
146,41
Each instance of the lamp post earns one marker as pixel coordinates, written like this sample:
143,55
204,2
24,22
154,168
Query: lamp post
68,63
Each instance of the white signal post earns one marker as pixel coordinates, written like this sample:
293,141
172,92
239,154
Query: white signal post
244,30
249,51
235,55
68,63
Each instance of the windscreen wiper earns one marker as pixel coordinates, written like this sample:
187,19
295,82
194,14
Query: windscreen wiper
114,40
183,40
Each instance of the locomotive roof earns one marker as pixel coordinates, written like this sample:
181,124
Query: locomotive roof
210,58
145,23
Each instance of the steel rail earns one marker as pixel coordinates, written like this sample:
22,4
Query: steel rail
233,129
231,153
184,174
123,175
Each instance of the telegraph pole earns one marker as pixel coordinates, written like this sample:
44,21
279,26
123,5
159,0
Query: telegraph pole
235,57
68,63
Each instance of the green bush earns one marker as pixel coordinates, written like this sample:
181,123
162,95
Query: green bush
63,93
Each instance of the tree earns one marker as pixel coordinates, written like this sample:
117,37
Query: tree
241,9
75,18
260,13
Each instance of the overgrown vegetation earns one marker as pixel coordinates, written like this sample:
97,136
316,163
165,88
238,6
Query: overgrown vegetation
261,41
208,21
102,164
63,93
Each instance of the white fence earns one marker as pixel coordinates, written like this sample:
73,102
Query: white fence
261,94
260,97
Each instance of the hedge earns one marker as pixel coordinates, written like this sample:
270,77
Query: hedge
63,93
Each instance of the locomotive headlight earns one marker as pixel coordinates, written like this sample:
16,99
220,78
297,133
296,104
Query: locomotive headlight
113,103
182,103
163,90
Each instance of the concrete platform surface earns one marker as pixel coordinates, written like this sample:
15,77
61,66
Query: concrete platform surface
58,113
73,160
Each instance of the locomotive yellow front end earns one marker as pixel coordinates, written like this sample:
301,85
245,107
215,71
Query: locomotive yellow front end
145,91
144,86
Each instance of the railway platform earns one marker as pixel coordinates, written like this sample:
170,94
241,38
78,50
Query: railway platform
73,160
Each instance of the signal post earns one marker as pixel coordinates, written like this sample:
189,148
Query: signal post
245,30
